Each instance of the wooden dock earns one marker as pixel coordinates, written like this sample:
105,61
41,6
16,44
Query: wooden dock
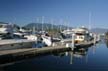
8,56
31,50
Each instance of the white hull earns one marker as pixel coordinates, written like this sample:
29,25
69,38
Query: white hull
31,37
68,40
47,40
5,28
15,44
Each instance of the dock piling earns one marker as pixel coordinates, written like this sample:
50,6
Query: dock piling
71,57
98,39
73,41
94,39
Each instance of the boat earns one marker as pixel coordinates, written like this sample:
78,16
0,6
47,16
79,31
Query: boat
55,39
46,40
31,37
82,34
68,40
5,28
8,40
11,44
26,34
66,36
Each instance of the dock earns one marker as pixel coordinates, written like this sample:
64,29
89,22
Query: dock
8,56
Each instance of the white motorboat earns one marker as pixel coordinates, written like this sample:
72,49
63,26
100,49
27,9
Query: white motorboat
82,34
26,34
31,37
10,44
5,28
47,40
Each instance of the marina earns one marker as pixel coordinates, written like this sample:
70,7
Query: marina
53,35
21,45
24,45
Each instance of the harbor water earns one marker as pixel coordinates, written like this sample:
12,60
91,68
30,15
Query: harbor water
81,59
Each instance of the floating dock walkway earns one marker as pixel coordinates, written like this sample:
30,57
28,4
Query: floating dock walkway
8,56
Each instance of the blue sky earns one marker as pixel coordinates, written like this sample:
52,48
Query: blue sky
72,12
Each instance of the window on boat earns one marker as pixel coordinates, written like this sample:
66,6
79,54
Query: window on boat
1,26
81,37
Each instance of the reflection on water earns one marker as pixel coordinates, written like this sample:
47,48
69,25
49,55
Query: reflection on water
85,59
77,53
106,41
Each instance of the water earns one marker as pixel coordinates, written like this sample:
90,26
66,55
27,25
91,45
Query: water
84,59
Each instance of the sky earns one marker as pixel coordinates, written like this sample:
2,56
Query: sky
73,13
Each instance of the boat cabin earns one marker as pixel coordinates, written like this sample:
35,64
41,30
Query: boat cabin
5,28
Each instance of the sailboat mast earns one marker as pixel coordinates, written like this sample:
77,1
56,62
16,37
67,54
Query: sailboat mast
52,24
60,24
42,22
34,29
37,23
89,20
67,25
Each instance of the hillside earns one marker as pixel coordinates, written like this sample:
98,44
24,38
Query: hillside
99,30
46,26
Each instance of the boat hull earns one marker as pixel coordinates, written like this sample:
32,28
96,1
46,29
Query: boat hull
15,44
